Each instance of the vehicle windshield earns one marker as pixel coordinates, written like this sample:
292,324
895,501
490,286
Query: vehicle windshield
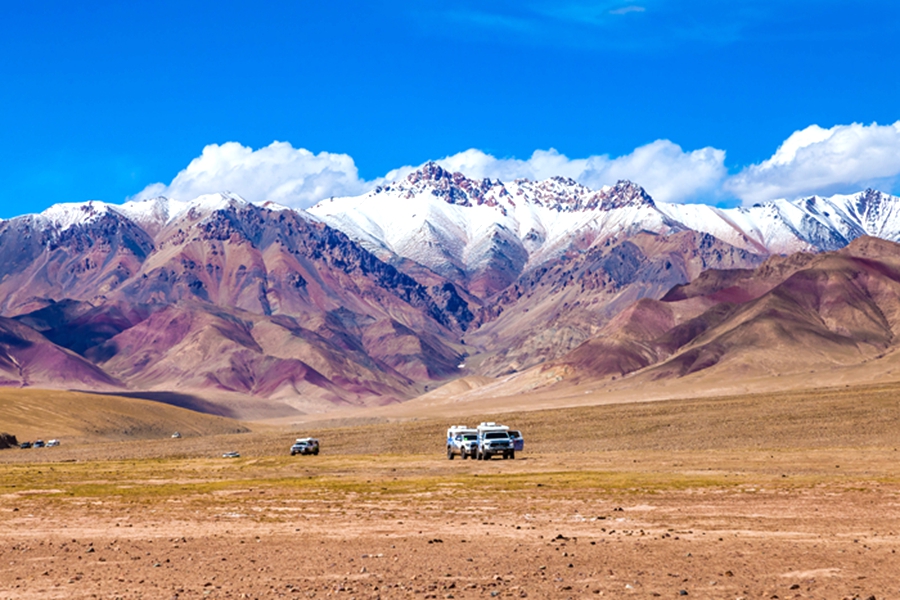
469,437
496,435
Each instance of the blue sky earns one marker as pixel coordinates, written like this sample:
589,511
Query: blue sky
101,100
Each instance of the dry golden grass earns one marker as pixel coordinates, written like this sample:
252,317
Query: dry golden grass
821,435
788,495
83,417
859,417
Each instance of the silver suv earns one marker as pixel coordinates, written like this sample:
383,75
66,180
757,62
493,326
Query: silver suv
305,446
494,442
463,443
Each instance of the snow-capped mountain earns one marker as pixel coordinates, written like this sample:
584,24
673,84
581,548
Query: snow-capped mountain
812,224
372,298
486,233
151,214
220,295
462,228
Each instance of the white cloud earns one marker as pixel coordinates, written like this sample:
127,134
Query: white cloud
666,171
627,9
278,172
298,178
843,159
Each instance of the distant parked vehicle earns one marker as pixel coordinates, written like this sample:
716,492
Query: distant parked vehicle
25,445
305,446
231,455
52,443
517,439
461,440
38,444
176,435
494,439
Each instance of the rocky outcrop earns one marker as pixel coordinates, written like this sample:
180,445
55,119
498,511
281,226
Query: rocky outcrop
8,440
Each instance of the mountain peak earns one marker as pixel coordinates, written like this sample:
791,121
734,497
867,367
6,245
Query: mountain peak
452,187
625,193
159,211
433,172
68,214
566,194
568,181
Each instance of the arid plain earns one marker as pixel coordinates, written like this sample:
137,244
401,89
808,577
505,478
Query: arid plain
787,495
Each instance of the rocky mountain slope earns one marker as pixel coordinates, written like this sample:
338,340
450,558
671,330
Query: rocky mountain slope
802,321
485,234
553,261
222,295
803,313
374,299
29,359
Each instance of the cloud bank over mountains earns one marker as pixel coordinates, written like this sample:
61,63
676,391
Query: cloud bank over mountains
815,160
278,172
824,161
669,173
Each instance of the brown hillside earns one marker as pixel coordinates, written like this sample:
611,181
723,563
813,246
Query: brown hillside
553,309
800,313
75,417
202,349
843,311
29,359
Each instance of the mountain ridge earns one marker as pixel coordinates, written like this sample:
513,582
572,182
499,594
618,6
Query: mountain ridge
377,298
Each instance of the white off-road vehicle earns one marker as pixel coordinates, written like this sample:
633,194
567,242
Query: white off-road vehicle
494,439
305,446
461,440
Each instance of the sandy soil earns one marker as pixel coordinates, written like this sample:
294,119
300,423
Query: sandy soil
389,527
768,496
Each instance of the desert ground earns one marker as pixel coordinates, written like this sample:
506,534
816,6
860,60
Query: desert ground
791,495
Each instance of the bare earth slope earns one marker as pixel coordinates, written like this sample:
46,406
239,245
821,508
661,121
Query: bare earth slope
796,322
191,346
833,309
556,307
742,497
29,359
81,418
221,296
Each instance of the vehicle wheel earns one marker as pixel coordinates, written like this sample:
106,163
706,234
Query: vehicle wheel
463,455
505,455
316,452
449,453
512,455
479,455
